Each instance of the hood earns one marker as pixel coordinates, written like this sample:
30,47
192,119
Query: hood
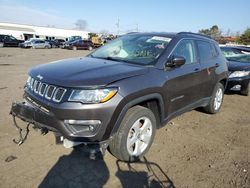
238,66
84,72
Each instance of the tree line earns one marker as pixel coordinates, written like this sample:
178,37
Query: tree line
215,33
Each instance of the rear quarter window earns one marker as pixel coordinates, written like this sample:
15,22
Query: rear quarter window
207,50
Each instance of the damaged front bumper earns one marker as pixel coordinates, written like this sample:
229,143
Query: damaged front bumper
47,121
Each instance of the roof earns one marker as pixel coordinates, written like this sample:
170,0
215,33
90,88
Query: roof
16,28
163,34
172,34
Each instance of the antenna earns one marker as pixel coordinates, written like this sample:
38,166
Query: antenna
118,26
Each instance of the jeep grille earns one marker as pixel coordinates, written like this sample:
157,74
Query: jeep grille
50,92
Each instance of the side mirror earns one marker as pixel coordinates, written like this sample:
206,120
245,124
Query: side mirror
175,61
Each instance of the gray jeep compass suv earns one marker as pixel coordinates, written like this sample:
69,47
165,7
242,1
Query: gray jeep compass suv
121,93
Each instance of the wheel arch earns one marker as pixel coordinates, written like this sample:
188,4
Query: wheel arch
152,101
223,82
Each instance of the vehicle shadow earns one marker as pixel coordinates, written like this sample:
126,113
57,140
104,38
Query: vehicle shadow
142,174
78,170
232,92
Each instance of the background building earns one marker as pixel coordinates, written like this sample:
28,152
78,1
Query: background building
24,32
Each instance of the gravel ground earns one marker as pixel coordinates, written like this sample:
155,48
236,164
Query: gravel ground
193,150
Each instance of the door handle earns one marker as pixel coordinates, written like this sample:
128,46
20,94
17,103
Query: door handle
196,70
217,64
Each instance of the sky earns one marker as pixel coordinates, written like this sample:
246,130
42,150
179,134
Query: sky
146,15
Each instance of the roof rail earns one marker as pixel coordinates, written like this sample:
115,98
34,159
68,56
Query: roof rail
190,33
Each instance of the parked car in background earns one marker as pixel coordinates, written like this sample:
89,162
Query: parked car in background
234,50
239,69
27,43
35,43
71,40
80,45
9,41
56,43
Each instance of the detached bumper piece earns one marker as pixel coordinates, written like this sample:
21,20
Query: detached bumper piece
26,114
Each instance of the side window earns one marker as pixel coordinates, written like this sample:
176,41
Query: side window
186,49
215,50
206,50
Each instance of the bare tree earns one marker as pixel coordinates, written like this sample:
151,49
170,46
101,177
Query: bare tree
104,32
81,24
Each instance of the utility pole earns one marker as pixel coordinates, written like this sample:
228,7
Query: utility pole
118,26
137,27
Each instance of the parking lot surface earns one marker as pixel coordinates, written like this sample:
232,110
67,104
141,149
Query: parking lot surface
193,150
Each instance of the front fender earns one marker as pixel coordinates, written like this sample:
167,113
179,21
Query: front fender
123,107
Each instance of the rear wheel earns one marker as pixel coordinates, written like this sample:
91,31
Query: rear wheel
90,48
216,99
245,89
135,135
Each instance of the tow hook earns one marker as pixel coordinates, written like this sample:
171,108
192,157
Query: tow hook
22,136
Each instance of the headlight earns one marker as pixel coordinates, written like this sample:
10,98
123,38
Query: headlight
239,74
93,96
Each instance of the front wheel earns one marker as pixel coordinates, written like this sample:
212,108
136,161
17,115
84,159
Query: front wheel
135,135
216,99
245,89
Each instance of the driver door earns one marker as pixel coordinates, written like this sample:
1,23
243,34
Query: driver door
183,87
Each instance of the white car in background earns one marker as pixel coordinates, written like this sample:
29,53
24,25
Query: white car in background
35,43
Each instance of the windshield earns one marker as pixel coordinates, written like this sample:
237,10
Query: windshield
244,58
137,49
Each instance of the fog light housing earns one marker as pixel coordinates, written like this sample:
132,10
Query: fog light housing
83,126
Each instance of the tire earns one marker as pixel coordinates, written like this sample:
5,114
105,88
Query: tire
1,44
216,100
74,48
90,48
134,133
245,89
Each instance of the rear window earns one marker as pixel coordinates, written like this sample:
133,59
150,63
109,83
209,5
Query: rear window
207,50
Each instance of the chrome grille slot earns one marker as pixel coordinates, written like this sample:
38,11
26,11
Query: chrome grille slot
50,91
31,83
34,85
45,90
42,89
59,94
37,87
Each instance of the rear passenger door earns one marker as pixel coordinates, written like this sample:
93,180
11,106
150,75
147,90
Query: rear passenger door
184,84
207,57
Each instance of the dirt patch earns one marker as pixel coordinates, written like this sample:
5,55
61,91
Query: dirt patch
194,150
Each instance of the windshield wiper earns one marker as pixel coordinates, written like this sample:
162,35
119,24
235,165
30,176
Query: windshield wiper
113,59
